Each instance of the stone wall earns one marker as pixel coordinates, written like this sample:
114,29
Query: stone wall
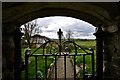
7,52
112,55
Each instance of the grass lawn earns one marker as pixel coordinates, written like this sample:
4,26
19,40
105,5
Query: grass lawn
86,44
40,64
41,60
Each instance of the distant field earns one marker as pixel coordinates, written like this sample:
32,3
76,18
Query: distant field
86,42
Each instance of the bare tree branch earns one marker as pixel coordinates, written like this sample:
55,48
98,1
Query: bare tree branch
69,35
30,28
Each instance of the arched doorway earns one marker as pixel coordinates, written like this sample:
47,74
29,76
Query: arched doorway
88,12
72,27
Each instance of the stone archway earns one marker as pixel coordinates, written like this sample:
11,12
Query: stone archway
16,14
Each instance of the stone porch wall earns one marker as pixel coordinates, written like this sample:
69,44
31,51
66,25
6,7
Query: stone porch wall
112,56
7,52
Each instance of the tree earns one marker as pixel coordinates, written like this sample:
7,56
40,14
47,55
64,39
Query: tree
69,35
30,28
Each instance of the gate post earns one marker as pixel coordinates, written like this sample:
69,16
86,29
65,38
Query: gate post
99,53
17,41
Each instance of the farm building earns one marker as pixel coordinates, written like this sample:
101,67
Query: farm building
37,40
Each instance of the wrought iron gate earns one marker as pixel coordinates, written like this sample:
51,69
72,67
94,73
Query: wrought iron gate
56,50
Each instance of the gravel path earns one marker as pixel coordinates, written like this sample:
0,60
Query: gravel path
60,70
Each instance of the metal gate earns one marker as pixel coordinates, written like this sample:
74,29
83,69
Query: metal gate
56,49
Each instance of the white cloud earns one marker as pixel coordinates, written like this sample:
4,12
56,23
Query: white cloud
81,29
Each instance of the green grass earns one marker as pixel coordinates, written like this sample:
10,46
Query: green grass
86,44
39,51
41,60
40,64
79,59
88,62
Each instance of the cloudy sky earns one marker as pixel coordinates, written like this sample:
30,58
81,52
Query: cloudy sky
79,28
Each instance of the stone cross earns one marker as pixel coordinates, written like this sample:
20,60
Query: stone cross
60,36
60,33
